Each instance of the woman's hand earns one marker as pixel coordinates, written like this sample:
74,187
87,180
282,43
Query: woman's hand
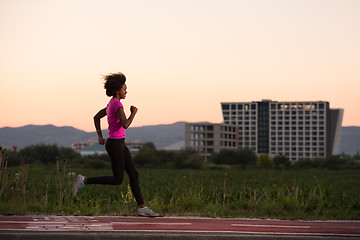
133,109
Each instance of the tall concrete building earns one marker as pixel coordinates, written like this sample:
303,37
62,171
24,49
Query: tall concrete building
293,129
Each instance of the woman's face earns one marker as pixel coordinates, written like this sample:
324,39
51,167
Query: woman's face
122,93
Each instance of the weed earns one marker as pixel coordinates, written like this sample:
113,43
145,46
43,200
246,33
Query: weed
3,170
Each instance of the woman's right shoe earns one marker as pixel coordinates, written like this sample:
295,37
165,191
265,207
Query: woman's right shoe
146,212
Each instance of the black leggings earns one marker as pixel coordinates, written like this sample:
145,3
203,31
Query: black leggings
120,160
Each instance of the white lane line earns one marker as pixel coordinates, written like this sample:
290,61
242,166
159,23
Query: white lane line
96,225
272,226
149,223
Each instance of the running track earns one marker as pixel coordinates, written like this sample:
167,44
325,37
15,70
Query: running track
61,224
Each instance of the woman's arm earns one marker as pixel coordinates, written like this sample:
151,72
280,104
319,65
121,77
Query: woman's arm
97,117
125,122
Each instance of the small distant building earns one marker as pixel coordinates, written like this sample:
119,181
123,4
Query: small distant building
91,149
207,138
175,147
79,145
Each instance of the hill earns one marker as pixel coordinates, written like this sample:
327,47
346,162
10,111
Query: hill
43,134
161,135
350,140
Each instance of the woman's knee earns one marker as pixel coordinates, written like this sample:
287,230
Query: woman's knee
117,181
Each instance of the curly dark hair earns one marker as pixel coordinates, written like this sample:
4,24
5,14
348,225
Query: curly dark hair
113,83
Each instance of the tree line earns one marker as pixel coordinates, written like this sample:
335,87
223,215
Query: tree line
149,157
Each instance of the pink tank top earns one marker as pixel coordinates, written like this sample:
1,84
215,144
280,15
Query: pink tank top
116,130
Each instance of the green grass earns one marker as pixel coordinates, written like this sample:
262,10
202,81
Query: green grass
242,193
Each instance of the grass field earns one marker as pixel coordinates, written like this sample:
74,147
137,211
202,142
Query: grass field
242,193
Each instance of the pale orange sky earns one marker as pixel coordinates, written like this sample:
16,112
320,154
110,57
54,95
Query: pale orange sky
181,58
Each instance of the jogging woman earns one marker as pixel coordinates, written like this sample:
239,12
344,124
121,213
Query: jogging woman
115,146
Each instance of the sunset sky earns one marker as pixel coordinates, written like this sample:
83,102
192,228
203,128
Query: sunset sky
181,58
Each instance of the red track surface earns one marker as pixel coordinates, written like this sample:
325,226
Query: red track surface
177,224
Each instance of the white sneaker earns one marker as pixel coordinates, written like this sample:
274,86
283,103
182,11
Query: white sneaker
146,212
78,184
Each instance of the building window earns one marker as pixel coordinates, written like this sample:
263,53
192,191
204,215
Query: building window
225,107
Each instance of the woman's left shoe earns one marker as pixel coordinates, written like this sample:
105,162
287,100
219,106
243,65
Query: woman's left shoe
78,184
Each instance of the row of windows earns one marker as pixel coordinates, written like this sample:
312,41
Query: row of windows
242,118
227,128
228,136
253,128
295,155
227,144
201,128
242,123
298,144
240,113
201,135
278,113
197,128
297,133
201,143
306,106
297,113
301,149
247,138
239,106
211,143
274,118
298,123
287,123
247,144
299,128
296,138
247,134
276,105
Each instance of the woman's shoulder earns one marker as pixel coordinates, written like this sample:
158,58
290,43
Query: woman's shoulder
114,102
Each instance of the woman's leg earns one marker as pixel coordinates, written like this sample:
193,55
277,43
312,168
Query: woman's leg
133,176
115,150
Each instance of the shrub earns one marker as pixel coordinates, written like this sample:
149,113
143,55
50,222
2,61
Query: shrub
242,156
45,154
188,158
264,161
281,162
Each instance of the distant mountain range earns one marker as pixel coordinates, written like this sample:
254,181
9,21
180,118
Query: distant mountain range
161,135
350,140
